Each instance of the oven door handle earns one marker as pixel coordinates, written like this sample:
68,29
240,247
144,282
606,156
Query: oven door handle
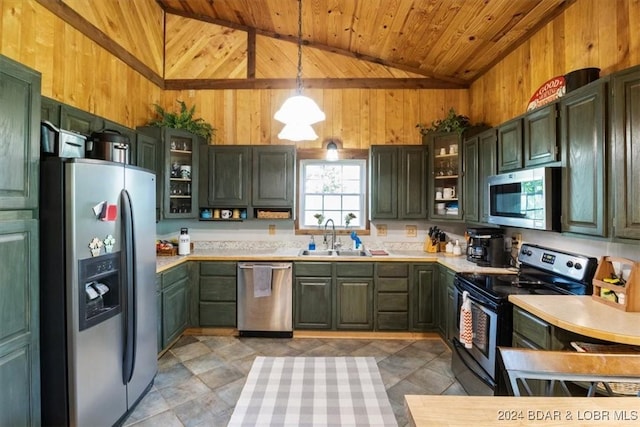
457,347
472,298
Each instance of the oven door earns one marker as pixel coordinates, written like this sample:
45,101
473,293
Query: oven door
485,331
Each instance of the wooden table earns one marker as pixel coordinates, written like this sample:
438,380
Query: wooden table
481,411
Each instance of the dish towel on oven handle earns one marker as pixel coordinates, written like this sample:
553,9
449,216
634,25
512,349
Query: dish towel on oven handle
466,321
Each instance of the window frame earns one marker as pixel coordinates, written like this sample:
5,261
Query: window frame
320,154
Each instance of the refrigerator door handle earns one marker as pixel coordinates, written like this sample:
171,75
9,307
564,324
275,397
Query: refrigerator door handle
129,284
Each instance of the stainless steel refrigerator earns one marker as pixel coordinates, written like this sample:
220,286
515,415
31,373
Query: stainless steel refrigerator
97,291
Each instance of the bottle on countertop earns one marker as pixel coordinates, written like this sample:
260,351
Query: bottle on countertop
457,250
449,247
184,242
312,244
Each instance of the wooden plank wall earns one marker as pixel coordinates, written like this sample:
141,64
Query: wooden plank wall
590,33
359,117
74,69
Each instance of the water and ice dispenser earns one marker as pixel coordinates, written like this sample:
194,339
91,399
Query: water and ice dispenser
99,288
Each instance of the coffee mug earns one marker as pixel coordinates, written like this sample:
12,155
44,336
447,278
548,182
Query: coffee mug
438,195
185,171
443,151
449,193
225,213
453,149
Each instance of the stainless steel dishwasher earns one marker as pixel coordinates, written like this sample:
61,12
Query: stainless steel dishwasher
265,299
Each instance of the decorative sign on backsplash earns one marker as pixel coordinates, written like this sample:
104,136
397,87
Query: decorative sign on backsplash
550,90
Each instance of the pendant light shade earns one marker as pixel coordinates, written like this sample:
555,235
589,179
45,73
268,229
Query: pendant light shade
299,109
298,132
299,112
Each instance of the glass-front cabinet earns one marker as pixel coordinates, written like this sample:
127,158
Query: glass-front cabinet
182,150
444,201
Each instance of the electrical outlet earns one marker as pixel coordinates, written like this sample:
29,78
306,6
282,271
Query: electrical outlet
272,229
516,240
381,230
411,230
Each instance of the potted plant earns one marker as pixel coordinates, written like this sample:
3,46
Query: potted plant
183,119
454,122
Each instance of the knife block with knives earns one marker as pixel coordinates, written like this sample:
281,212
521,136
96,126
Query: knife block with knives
435,241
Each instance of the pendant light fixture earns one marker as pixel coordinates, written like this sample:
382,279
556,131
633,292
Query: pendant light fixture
299,112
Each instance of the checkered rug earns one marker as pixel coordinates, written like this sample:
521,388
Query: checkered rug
313,391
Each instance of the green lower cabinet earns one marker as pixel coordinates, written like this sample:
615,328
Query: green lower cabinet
175,311
422,296
354,303
175,303
444,310
392,296
313,303
159,311
217,294
19,324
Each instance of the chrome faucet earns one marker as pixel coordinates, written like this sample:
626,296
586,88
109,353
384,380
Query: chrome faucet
333,234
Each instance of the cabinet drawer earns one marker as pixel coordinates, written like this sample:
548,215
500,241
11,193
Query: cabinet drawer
531,328
218,269
317,269
393,321
354,269
393,302
217,289
392,285
218,314
171,276
391,269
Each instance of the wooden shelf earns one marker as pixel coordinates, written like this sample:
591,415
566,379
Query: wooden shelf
627,292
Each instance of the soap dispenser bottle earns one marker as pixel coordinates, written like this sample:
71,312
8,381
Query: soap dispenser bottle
312,244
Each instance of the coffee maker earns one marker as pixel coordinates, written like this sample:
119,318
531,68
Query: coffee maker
486,247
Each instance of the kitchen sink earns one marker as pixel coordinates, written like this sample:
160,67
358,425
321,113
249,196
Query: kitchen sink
336,253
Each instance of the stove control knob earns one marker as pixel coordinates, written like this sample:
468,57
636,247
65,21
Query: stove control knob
527,252
569,263
578,266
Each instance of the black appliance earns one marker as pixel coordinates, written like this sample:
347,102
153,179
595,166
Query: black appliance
486,247
528,198
542,271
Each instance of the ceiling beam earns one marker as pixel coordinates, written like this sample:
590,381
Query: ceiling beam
343,83
323,47
77,21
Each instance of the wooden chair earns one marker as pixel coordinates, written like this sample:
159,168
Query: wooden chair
612,374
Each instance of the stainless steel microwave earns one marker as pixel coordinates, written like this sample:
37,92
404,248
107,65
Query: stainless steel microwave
528,198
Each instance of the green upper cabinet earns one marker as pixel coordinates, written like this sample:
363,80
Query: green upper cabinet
50,110
399,182
470,181
445,201
479,160
19,135
384,182
225,177
582,118
273,176
412,203
80,121
625,171
177,171
541,136
510,145
148,157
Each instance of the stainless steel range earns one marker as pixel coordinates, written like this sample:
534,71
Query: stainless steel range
542,271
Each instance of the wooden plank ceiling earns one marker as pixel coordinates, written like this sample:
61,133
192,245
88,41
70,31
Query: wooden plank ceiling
347,43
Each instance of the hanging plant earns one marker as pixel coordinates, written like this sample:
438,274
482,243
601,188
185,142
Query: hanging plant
183,119
452,123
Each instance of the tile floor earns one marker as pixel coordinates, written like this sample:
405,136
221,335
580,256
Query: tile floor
200,378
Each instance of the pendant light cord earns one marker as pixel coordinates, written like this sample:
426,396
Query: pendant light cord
299,75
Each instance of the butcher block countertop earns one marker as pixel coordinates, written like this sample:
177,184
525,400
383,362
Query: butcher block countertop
455,263
489,411
583,315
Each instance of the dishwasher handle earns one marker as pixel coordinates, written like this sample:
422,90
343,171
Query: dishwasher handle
274,267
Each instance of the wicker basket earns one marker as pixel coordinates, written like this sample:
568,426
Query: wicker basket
273,214
627,389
